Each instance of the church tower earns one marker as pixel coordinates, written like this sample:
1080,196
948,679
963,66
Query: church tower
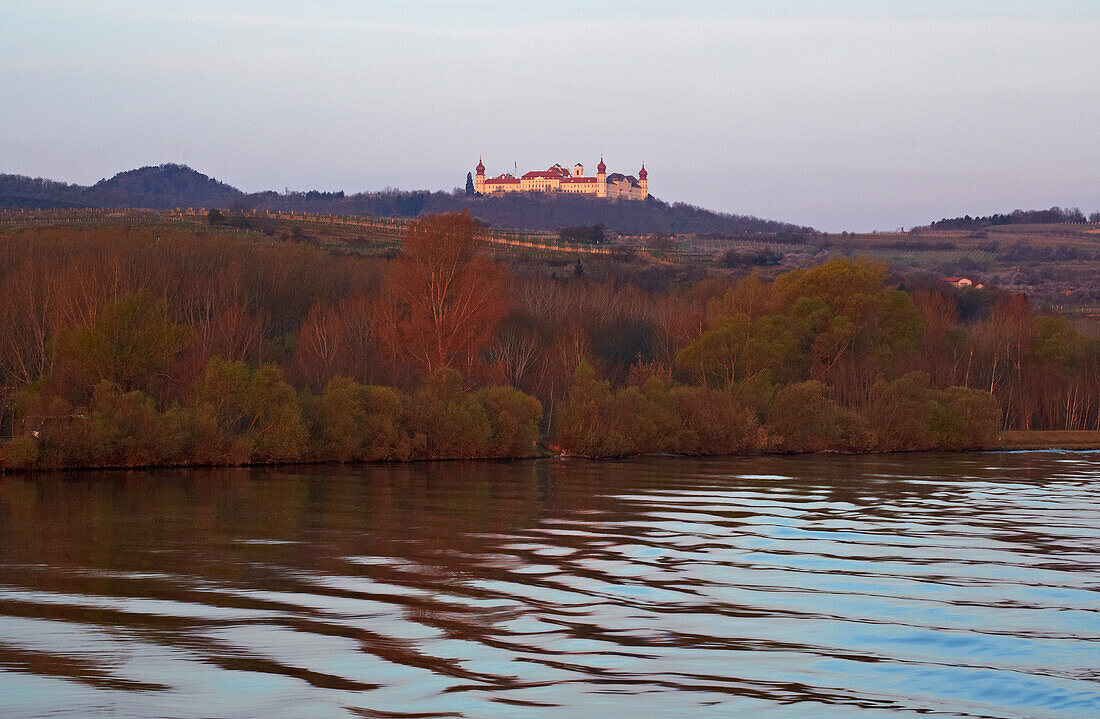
642,175
601,179
479,181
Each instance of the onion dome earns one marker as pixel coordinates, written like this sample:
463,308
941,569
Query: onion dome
642,174
480,167
601,167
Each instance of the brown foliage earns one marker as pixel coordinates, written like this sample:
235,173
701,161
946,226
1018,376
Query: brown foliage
153,345
598,421
805,418
443,301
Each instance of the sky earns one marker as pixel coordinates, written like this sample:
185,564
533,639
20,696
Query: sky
842,115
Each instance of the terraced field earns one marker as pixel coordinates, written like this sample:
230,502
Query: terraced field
1057,266
919,259
365,235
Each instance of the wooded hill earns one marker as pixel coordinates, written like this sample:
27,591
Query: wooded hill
170,186
161,188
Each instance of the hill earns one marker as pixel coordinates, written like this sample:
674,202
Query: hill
158,188
162,188
169,186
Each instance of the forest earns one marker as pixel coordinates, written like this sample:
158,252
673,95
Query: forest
170,346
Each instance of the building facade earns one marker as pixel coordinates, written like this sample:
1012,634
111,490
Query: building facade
559,179
959,282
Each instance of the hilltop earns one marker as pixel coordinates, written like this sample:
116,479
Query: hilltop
158,188
168,186
161,188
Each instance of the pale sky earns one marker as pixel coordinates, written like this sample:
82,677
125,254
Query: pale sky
841,115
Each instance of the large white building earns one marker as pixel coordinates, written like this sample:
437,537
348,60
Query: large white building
559,179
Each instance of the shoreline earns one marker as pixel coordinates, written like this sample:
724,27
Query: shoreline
1050,439
1010,441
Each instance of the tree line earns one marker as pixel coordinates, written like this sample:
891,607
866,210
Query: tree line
133,347
1054,215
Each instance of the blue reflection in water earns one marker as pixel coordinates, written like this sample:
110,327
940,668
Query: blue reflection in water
944,585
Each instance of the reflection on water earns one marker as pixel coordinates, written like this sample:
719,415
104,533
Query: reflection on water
950,585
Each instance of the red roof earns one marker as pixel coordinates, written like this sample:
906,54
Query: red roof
560,173
552,173
480,167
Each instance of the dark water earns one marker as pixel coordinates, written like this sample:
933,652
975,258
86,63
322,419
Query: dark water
789,587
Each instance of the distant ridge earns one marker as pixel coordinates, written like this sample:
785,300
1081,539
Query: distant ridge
170,185
159,188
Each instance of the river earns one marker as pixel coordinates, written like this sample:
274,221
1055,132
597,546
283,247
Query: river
960,585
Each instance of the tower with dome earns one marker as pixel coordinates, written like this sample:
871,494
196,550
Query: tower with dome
557,178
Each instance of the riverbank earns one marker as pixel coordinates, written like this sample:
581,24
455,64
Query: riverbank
1051,439
1010,440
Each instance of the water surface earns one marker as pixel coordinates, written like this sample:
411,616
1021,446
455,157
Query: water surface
905,585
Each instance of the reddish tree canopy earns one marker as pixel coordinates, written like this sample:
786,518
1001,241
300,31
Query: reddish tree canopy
443,301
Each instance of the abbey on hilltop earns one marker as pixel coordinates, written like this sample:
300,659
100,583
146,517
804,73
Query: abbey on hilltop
559,179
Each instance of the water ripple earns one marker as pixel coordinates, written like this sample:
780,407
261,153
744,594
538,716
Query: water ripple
942,585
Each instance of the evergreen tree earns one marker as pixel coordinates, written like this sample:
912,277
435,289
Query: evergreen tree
469,184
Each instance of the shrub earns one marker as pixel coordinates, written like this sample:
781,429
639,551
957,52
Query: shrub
114,429
901,413
805,418
599,422
19,453
585,426
966,419
713,422
125,430
908,414
360,422
514,421
247,414
450,422
60,431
